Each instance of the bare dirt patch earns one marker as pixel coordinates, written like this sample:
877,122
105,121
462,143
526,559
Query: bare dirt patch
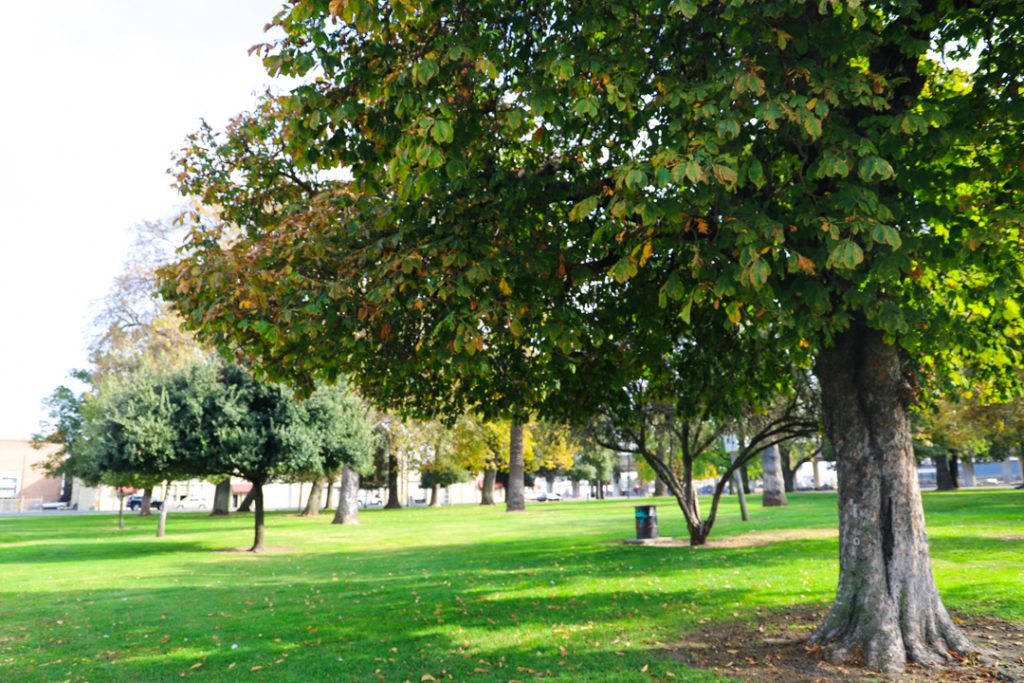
777,649
749,540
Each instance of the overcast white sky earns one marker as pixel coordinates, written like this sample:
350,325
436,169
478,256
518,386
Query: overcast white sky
95,95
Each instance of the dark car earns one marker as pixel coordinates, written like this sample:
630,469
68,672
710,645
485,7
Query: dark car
135,502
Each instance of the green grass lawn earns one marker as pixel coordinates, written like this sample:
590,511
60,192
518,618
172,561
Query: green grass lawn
467,593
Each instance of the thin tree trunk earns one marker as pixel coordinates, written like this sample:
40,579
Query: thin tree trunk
393,502
943,478
222,498
575,488
515,491
247,502
659,487
774,486
745,480
968,470
954,467
315,499
816,464
487,492
120,510
887,609
435,496
147,501
348,499
161,526
257,541
331,479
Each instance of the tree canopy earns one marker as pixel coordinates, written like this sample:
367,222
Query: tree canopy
527,182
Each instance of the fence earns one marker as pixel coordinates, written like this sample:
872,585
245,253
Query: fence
10,505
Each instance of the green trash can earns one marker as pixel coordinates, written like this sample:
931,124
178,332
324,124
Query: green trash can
646,522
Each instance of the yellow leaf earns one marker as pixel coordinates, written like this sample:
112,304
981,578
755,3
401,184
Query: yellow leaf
337,7
196,665
427,677
504,287
646,253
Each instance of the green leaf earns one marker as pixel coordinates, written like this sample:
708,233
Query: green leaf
623,270
755,172
442,131
584,208
872,168
845,255
636,178
688,8
759,272
886,234
425,70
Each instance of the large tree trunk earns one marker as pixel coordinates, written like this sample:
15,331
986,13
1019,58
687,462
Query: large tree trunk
147,501
247,502
315,500
745,479
943,478
487,492
774,486
222,498
161,525
887,609
393,502
515,491
435,496
257,540
954,469
348,499
575,488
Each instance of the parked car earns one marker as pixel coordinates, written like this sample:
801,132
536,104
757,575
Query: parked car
190,502
545,496
135,502
55,505
371,500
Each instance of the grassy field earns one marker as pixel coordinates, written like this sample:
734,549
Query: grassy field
463,593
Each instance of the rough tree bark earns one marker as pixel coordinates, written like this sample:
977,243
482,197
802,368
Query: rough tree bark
147,501
887,609
161,526
515,491
393,502
315,500
222,499
943,477
774,486
348,499
257,540
487,492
